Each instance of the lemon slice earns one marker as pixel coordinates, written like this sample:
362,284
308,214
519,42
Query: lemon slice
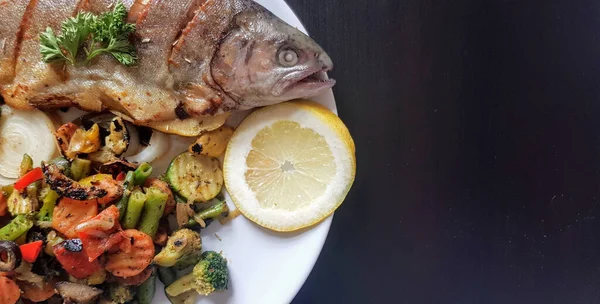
290,165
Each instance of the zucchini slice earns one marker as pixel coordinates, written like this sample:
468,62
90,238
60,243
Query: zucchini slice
195,177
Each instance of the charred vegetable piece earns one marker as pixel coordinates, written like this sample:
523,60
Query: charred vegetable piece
212,143
73,245
183,247
47,266
209,275
195,177
80,168
146,291
63,165
16,228
153,211
101,187
64,135
78,293
120,293
26,165
75,263
84,141
118,139
10,256
117,167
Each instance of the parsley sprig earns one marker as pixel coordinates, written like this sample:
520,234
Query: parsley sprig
108,33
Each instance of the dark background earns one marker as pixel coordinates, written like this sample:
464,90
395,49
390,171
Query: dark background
477,126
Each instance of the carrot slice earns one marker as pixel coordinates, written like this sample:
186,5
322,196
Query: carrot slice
36,293
10,291
128,264
69,213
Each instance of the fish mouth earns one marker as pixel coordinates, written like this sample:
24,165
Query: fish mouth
308,84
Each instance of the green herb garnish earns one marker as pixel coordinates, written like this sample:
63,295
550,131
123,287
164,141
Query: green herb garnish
107,33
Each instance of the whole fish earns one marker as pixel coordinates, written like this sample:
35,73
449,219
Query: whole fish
197,61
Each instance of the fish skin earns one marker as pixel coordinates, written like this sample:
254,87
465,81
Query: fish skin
197,59
11,14
32,75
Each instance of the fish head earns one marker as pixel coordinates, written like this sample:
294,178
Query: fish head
263,61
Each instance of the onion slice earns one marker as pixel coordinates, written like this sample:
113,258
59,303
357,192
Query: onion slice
23,132
159,144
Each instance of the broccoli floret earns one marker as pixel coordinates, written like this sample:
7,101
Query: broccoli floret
120,293
183,248
209,275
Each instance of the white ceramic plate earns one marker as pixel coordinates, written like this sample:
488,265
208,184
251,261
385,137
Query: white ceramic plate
265,267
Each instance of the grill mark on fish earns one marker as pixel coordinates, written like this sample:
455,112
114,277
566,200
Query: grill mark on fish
24,25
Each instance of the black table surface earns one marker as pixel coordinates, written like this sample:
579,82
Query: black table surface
477,130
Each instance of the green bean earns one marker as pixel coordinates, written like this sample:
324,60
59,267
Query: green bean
166,275
26,164
134,208
49,198
142,173
80,168
122,203
146,290
153,211
15,228
216,211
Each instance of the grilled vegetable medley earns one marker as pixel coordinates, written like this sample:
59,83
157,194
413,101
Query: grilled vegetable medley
94,225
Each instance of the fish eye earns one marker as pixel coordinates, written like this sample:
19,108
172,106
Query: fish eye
287,56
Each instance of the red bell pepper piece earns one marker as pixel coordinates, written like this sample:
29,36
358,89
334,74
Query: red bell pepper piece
30,251
120,176
28,178
76,264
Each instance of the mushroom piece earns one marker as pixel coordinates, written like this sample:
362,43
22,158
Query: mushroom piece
77,293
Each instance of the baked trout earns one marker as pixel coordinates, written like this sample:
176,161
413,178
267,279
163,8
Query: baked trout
197,61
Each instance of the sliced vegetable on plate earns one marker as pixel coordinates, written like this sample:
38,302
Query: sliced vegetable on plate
23,132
